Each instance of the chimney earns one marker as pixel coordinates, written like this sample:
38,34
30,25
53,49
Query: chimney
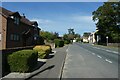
23,15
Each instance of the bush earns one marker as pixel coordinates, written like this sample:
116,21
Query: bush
23,60
59,43
43,50
66,41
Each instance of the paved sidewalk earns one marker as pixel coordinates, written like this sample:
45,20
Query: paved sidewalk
52,67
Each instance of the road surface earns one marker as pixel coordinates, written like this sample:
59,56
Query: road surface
53,67
89,61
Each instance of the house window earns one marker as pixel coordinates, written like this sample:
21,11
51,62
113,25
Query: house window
11,37
17,20
0,36
17,37
14,37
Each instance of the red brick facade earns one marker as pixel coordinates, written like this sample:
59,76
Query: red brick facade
17,31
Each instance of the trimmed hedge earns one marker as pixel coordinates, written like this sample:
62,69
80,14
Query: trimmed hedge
22,61
59,43
43,50
66,41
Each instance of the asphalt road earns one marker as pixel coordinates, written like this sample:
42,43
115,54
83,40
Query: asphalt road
89,61
52,68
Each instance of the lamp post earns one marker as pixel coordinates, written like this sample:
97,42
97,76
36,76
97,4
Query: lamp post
107,40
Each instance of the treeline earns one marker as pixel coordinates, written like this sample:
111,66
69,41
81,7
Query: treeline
53,37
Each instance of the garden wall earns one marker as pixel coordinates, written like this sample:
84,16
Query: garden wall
114,44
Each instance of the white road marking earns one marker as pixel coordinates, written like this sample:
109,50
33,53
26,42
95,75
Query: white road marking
107,50
93,53
96,47
108,60
111,51
99,56
115,52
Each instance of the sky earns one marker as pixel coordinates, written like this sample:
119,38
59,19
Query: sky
58,16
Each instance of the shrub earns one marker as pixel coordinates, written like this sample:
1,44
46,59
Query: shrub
59,43
66,41
23,60
43,50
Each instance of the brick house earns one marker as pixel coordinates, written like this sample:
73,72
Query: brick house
17,30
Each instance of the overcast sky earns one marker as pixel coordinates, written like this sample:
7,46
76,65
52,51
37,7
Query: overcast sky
58,16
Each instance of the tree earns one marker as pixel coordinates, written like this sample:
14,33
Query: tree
65,36
77,36
49,35
71,36
108,18
55,35
86,34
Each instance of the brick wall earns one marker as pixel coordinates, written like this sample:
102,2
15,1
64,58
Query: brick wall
3,32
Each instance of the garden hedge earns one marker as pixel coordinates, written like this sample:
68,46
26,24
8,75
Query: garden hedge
22,61
66,41
43,50
59,43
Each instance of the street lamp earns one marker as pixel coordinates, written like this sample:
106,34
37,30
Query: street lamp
107,40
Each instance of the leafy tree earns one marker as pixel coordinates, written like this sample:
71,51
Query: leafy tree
108,18
49,35
69,37
86,34
65,36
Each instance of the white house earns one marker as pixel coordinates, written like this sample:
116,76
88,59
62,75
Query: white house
85,39
91,38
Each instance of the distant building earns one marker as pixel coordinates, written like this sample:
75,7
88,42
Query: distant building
17,30
86,37
91,38
74,40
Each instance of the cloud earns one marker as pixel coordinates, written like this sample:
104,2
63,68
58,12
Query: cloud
43,21
84,19
81,24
